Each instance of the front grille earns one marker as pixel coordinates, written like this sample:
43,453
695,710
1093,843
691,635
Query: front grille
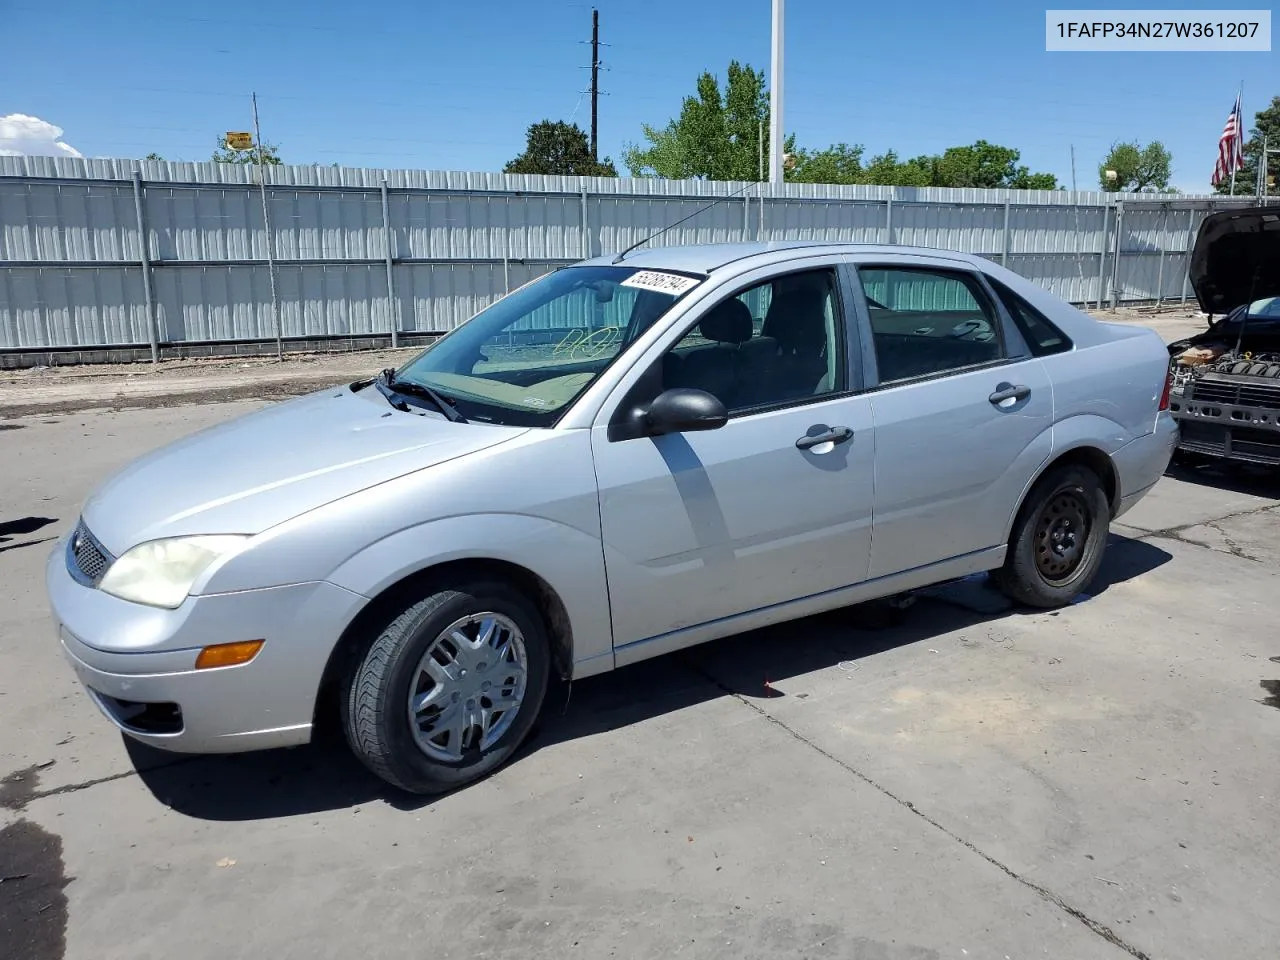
1260,446
1264,396
1203,433
87,560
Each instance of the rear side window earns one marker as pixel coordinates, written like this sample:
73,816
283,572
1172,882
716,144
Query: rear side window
927,322
1041,335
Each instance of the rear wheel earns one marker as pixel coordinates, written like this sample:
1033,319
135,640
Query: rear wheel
1058,539
449,688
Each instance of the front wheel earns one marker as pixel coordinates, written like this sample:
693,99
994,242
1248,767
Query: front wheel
1058,539
449,688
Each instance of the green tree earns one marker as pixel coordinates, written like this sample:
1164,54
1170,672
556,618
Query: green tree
556,147
1266,126
839,163
886,170
226,154
989,165
153,156
982,164
717,135
1137,168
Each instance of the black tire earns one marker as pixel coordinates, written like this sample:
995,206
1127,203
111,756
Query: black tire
375,711
1035,572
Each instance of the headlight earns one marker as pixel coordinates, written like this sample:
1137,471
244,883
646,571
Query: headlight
160,573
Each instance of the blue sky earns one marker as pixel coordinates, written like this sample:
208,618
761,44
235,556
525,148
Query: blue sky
454,85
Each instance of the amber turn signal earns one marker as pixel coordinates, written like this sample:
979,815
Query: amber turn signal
228,654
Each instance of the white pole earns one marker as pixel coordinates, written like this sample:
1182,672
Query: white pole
775,98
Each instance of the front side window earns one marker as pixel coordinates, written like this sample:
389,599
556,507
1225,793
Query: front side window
776,342
926,322
524,359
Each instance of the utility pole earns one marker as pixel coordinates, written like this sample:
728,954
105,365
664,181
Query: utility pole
760,141
1073,168
1261,179
266,228
595,77
775,99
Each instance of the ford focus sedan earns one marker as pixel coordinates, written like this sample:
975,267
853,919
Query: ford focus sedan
620,459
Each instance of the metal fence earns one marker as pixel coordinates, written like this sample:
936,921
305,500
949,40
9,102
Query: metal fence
106,253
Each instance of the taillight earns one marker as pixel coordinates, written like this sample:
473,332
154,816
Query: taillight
1168,387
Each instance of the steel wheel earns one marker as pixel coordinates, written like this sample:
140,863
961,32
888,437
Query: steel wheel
1061,532
468,686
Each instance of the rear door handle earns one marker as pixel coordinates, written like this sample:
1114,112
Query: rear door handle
833,435
1010,392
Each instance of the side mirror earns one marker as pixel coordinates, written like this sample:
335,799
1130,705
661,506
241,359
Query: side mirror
682,410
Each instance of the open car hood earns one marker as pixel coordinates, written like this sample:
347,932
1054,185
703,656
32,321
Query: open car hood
1236,258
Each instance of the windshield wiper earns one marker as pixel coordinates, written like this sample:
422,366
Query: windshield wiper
407,387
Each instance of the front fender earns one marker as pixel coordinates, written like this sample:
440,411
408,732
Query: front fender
570,561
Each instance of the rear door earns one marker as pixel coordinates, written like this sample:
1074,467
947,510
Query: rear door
962,411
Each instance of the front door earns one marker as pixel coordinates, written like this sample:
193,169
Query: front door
705,525
962,416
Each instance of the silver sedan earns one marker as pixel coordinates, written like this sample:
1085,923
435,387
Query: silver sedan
615,461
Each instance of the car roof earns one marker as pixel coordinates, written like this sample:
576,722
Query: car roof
706,257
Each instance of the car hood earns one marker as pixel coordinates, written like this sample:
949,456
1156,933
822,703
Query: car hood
1236,258
255,471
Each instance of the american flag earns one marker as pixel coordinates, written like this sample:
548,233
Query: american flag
1230,146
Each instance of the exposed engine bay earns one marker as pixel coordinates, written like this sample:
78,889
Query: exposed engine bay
1225,382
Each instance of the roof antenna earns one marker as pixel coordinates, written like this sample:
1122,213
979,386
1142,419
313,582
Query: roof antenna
727,196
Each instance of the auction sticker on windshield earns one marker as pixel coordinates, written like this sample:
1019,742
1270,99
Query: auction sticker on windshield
661,282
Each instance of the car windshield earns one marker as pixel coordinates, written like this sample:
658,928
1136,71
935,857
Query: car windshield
526,358
1267,308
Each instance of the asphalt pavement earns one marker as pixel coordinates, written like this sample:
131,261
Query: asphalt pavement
956,779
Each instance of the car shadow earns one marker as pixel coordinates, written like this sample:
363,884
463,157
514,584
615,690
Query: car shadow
324,775
1250,479
22,527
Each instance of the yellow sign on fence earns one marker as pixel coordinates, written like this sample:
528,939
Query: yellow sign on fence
237,140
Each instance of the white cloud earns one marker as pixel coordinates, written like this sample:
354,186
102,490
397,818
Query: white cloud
24,136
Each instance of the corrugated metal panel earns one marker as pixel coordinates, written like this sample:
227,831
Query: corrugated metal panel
971,230
92,306
234,302
1072,278
470,236
56,221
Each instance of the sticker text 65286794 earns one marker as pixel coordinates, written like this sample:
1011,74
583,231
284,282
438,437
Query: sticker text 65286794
655,280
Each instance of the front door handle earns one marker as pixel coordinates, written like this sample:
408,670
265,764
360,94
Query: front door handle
1009,391
833,435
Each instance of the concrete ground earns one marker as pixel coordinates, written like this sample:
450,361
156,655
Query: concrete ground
958,779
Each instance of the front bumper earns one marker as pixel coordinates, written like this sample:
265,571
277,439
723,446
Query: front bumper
1230,418
138,662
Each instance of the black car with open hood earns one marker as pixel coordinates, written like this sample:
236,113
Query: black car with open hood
1226,381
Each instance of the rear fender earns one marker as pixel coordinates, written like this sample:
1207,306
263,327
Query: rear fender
1077,434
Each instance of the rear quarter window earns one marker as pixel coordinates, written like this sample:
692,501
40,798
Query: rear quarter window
1042,336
